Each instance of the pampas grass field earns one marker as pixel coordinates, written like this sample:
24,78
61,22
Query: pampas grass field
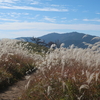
63,73
15,59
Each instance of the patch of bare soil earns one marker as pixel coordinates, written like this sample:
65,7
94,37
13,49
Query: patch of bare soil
15,91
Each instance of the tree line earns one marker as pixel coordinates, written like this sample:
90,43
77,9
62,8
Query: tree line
38,41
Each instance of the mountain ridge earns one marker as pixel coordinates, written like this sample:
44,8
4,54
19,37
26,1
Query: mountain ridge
68,39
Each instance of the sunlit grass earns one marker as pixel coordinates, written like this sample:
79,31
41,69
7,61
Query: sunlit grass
66,74
16,58
63,73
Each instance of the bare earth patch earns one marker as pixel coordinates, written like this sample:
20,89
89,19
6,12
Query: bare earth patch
15,91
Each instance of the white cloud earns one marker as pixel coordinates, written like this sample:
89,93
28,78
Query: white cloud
85,11
74,10
48,0
96,20
49,19
64,18
98,13
16,15
19,29
75,19
28,33
4,19
35,3
55,5
34,8
25,13
7,1
85,20
47,26
12,14
36,16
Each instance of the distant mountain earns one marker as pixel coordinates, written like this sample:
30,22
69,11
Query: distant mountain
68,38
71,38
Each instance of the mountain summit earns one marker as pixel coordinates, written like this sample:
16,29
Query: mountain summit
71,38
67,38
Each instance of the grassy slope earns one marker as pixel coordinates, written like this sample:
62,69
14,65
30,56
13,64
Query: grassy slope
66,74
14,66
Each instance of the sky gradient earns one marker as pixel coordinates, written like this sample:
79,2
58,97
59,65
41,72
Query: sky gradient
27,18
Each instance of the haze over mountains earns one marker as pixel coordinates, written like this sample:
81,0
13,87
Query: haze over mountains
67,38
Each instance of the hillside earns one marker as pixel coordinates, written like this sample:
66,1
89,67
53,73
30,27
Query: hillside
71,38
28,73
68,38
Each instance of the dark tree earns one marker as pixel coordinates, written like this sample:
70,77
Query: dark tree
38,41
58,43
50,43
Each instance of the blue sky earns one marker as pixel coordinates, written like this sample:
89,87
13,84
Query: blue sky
22,18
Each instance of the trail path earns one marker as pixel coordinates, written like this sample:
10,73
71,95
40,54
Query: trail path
15,91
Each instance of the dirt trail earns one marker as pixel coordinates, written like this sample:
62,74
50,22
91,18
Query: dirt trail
13,92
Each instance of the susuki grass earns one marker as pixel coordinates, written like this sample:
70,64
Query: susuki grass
15,59
63,73
66,74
